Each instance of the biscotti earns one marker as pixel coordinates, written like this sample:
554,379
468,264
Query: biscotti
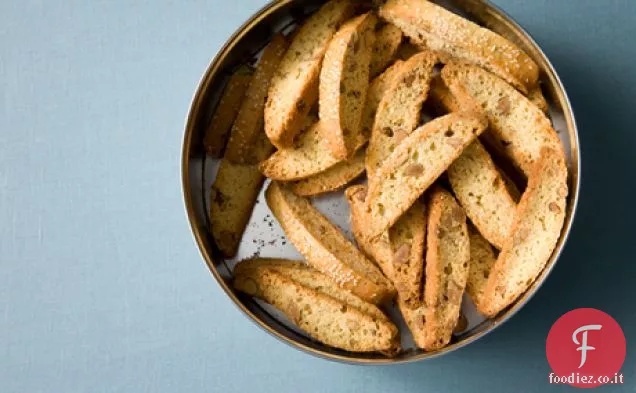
249,121
311,278
321,316
294,88
453,37
344,80
482,258
399,110
517,124
447,258
480,189
325,247
226,110
331,179
415,164
538,223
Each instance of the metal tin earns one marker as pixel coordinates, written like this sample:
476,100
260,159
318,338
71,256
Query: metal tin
197,170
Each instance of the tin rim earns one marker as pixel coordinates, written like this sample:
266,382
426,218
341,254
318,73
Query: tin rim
197,226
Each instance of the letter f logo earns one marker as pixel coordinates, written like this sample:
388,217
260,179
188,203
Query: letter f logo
584,347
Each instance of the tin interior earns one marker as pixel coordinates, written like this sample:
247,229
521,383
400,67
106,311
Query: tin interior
264,236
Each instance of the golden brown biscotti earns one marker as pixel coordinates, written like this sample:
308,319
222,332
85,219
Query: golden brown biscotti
537,227
249,121
482,258
325,248
399,251
331,179
321,316
311,278
399,110
416,163
480,189
387,41
447,257
294,88
226,110
520,127
415,319
406,238
344,80
453,37
535,95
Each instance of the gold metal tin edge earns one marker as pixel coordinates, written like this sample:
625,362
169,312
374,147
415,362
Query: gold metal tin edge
196,225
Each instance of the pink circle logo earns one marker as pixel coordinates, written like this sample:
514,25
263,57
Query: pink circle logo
585,348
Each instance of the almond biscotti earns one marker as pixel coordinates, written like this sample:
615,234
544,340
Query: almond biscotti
399,110
415,164
534,235
482,259
447,258
453,37
249,121
311,278
519,126
331,179
344,80
219,128
294,88
325,247
480,189
321,316
387,42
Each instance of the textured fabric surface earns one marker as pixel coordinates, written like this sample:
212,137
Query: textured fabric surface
102,288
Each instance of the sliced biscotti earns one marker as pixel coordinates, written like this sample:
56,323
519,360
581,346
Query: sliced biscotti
325,247
447,257
406,238
537,227
344,80
310,278
232,201
482,259
294,88
399,110
249,121
387,41
321,316
453,37
219,128
399,251
415,164
331,179
481,191
520,127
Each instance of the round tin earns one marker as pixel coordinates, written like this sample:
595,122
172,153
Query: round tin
198,172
